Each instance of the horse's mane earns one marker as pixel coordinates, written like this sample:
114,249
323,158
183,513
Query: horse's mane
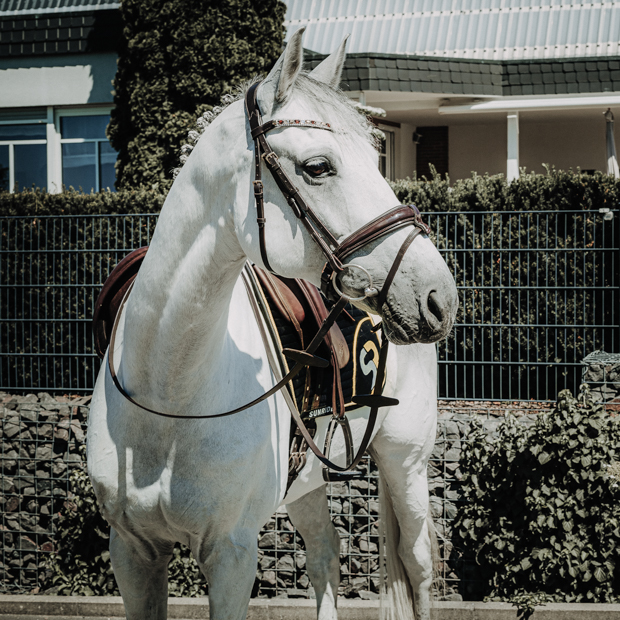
334,106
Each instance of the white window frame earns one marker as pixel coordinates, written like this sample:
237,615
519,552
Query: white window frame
59,140
390,152
11,144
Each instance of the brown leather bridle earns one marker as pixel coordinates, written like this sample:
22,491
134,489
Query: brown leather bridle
335,253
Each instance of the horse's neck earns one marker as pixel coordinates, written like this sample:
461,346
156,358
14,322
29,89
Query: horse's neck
176,320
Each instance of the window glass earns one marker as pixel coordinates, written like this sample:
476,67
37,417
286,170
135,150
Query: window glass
4,168
79,165
22,132
87,127
30,165
107,159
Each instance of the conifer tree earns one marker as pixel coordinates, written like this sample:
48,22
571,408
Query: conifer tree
179,57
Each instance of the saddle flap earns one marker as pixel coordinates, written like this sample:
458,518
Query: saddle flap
111,295
293,298
334,337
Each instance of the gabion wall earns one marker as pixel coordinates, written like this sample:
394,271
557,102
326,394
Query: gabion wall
41,438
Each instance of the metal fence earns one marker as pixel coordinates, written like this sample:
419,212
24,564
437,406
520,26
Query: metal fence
538,292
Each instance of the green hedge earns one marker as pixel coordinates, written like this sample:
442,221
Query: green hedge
541,516
557,190
71,202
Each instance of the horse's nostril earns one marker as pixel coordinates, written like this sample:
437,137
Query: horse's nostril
435,306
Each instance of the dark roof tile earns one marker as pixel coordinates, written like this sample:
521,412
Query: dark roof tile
616,86
571,77
602,65
536,78
512,68
561,89
433,65
614,64
558,68
604,76
527,90
549,89
582,76
546,68
591,66
580,66
607,86
401,63
496,69
393,73
559,78
572,88
384,84
535,68
615,76
390,63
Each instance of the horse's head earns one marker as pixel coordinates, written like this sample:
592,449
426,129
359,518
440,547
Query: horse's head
337,175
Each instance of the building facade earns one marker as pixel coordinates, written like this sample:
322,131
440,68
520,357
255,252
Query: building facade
485,86
57,63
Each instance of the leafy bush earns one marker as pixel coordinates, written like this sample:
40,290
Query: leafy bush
179,58
80,564
32,203
541,514
557,190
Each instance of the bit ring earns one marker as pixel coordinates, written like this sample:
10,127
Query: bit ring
369,291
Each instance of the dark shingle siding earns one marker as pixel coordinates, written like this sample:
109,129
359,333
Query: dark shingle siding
99,31
457,76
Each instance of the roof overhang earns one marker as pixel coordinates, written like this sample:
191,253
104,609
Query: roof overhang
510,104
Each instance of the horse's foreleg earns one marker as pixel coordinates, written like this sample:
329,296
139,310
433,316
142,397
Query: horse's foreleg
229,564
310,515
406,493
141,572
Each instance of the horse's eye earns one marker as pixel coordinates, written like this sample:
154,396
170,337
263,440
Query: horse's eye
317,168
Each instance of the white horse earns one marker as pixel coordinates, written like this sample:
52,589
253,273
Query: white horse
188,343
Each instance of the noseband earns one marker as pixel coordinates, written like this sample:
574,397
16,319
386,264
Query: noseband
334,251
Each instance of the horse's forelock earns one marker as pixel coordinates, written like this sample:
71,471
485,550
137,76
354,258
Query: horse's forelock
334,107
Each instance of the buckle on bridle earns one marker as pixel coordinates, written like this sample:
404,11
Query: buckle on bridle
258,188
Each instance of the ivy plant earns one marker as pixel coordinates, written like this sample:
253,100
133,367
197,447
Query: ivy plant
541,515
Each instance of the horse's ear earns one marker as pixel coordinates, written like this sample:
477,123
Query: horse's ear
330,70
278,85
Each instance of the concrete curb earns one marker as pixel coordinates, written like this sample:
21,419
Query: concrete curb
31,607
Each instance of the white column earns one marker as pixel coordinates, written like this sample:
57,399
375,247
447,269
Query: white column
512,159
54,154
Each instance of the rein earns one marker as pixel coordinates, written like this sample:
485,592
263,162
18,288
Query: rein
335,252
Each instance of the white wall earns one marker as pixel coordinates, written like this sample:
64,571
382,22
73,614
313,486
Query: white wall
578,143
68,80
